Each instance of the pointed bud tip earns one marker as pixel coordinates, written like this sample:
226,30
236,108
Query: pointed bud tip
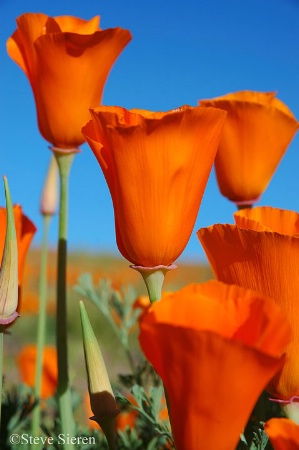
7,193
83,313
5,181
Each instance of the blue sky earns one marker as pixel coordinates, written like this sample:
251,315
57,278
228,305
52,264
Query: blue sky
180,52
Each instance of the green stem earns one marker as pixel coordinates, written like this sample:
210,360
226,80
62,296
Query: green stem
64,161
41,326
1,367
154,279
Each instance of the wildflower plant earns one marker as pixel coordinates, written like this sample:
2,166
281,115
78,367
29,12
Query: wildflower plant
211,366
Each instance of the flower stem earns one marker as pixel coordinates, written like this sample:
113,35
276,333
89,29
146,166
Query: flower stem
64,161
41,326
154,279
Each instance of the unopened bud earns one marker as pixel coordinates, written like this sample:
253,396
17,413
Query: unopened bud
102,400
9,267
49,198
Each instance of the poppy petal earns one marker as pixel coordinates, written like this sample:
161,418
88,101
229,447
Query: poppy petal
157,166
265,260
283,434
256,134
209,356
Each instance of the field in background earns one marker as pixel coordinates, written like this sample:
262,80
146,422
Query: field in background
99,266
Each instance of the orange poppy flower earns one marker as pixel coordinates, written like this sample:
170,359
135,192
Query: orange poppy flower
27,364
156,166
67,61
261,253
25,230
214,356
283,434
126,419
143,303
256,134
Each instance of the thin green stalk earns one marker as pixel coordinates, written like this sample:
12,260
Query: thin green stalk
1,367
64,161
41,327
154,279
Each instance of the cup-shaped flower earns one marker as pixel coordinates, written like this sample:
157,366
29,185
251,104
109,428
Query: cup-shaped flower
156,166
102,400
215,347
67,61
27,366
256,134
261,252
283,434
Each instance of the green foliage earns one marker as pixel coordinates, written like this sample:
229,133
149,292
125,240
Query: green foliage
259,440
129,439
139,392
117,307
256,438
17,406
145,386
148,407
